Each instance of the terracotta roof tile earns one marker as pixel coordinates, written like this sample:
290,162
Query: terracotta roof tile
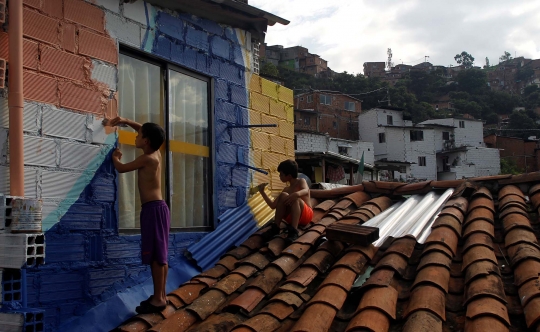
297,249
189,292
325,206
228,262
511,210
333,247
230,283
215,272
445,236
267,279
427,298
534,189
422,321
523,251
414,188
257,260
529,290
490,285
207,303
336,192
352,260
340,276
485,323
481,226
369,251
239,252
461,203
514,305
519,235
321,260
279,310
175,301
535,200
292,287
532,312
276,245
248,299
476,254
358,198
337,213
488,306
435,258
480,213
317,318
477,239
453,212
381,298
245,270
331,295
526,270
448,221
512,200
205,280
482,192
309,237
381,202
180,321
403,246
481,202
287,263
288,298
514,220
446,183
215,323
522,178
344,203
318,228
260,323
317,215
303,275
492,177
436,247
437,276
326,221
370,320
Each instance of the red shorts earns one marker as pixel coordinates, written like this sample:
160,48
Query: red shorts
305,216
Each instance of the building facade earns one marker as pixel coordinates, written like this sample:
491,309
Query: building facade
328,112
182,67
295,58
524,154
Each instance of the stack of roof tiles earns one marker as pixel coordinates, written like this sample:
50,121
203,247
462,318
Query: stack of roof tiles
478,269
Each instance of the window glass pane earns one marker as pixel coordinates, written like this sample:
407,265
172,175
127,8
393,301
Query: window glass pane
188,116
140,94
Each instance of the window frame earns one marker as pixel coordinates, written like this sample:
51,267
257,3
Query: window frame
348,103
461,124
447,135
309,99
389,120
413,135
383,136
165,66
422,161
326,97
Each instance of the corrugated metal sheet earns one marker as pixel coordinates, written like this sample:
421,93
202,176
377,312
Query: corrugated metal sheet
235,226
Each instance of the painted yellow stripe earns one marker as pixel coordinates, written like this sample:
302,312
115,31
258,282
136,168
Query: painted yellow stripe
127,137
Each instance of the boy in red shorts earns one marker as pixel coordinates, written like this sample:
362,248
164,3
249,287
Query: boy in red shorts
155,216
293,204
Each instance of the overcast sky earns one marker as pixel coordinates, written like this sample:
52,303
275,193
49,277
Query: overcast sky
348,33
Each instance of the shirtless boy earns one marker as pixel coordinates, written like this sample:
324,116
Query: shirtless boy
293,204
155,216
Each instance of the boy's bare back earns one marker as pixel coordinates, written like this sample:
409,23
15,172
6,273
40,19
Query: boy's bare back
296,186
149,177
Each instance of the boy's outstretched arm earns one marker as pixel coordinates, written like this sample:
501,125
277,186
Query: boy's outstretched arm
120,121
271,203
128,167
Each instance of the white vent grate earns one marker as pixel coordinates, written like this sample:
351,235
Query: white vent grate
255,50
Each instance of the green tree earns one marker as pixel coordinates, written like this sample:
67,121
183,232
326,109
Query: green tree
473,81
508,166
502,102
505,57
465,59
519,121
491,118
269,69
486,66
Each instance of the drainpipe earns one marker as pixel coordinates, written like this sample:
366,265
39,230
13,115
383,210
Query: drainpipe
15,99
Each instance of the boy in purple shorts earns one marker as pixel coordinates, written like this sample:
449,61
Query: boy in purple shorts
155,216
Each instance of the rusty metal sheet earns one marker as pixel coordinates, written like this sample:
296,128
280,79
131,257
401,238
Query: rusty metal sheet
460,203
287,263
331,295
482,192
279,310
452,212
321,260
333,247
428,298
529,290
381,298
318,317
523,251
485,323
248,300
352,260
259,323
423,321
526,270
181,320
435,258
414,188
437,276
512,209
340,276
267,279
369,319
403,246
216,272
368,251
490,285
394,261
480,213
189,292
358,198
514,221
480,226
519,235
379,278
444,236
230,283
304,275
325,206
297,249
437,247
448,221
477,239
488,306
478,253
481,202
532,312
207,303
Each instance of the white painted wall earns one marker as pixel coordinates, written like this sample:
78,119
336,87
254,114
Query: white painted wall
397,117
471,135
473,162
309,142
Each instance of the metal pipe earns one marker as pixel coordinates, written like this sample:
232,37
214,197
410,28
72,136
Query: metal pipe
16,99
430,213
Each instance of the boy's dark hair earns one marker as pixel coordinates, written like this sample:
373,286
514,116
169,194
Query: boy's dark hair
288,167
154,133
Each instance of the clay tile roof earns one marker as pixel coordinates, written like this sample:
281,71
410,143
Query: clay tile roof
475,267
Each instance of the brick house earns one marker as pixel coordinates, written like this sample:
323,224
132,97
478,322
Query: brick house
189,67
523,153
375,69
328,112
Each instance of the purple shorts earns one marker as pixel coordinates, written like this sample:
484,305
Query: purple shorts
155,224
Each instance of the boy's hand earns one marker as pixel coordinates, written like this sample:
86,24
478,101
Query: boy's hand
292,197
117,154
262,186
118,121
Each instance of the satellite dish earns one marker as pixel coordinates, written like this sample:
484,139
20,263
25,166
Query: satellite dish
305,177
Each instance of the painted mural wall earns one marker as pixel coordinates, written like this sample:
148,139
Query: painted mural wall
70,85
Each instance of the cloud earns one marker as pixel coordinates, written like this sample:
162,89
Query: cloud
357,31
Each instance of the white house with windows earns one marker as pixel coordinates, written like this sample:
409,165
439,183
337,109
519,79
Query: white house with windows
441,149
